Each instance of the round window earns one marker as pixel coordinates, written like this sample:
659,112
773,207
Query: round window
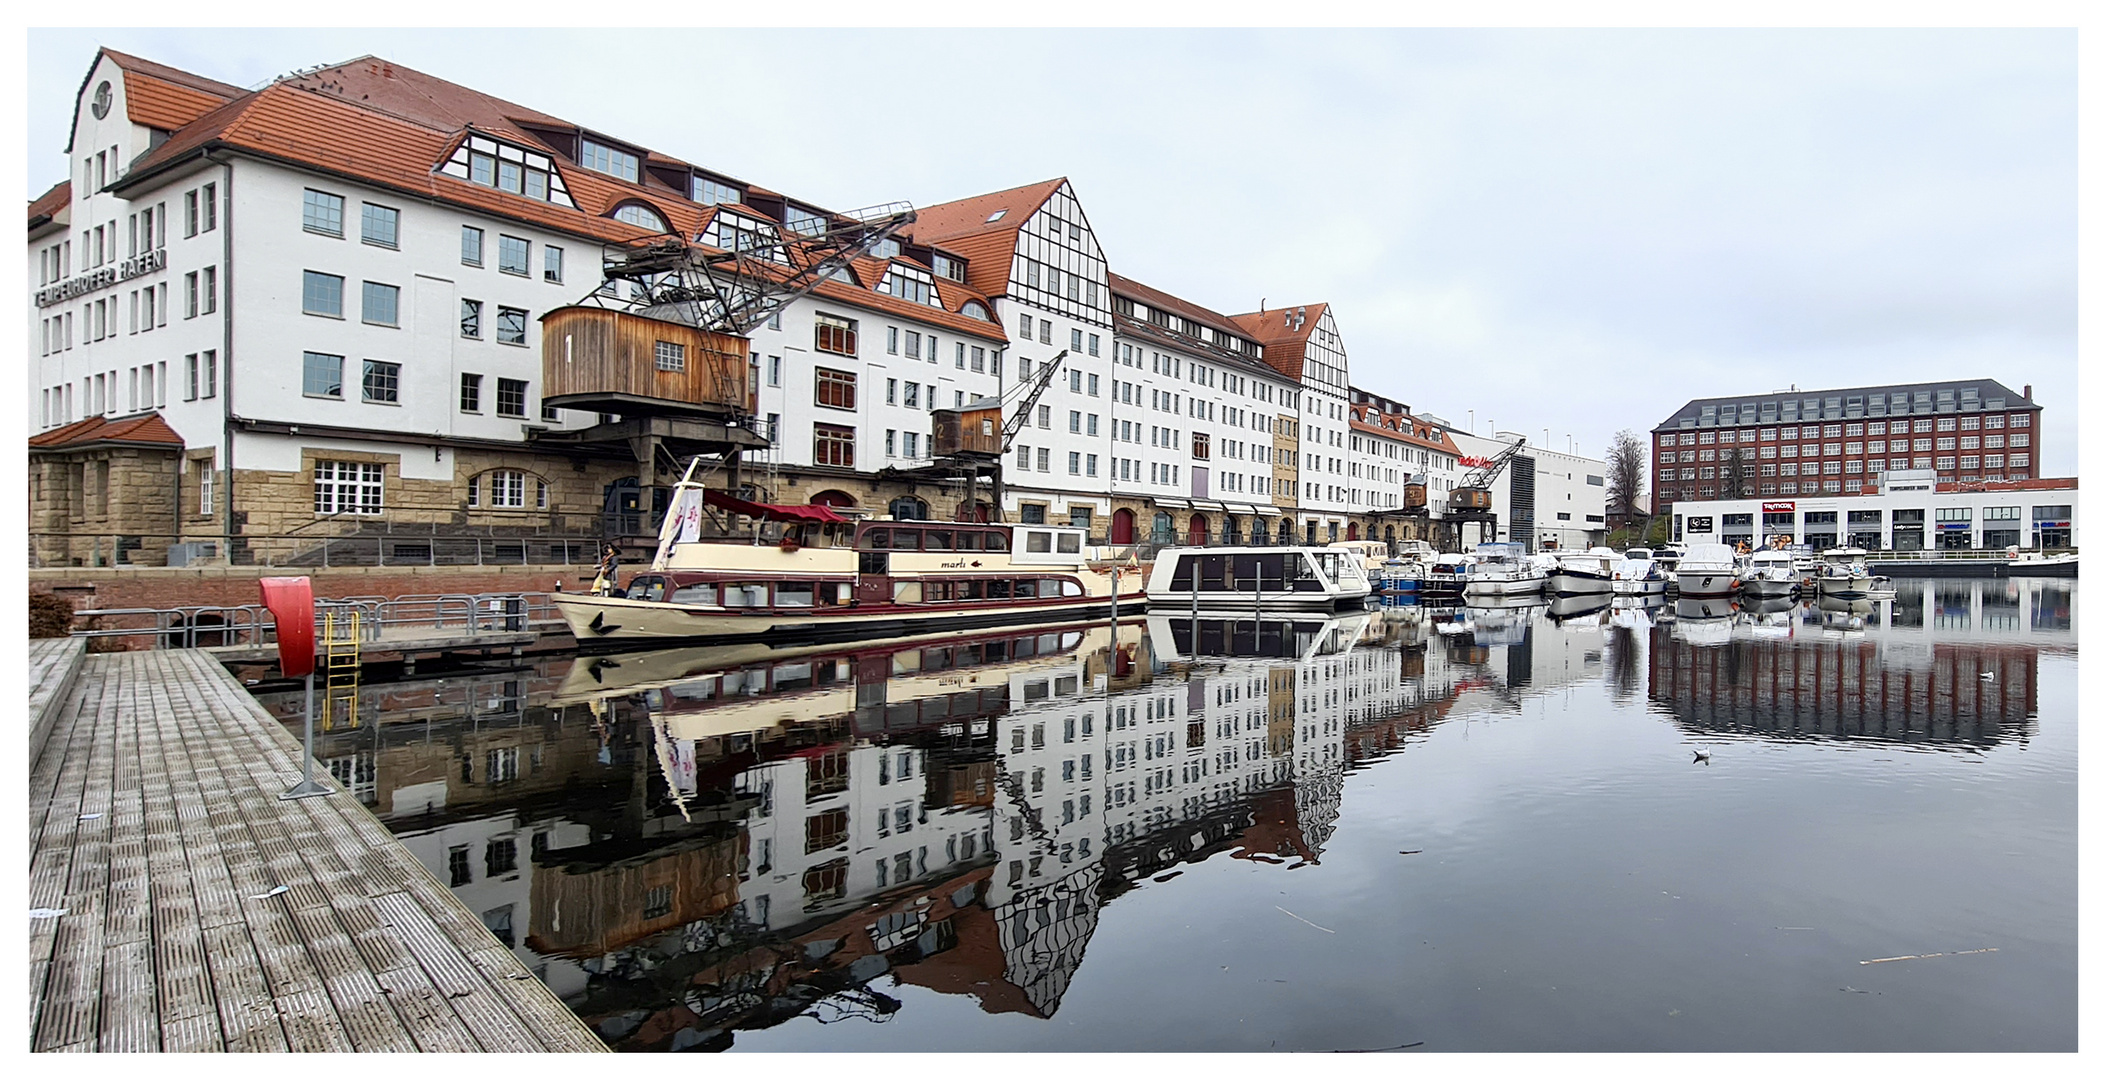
101,106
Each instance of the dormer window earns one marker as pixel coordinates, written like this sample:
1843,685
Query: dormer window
911,285
599,157
973,309
493,164
641,216
949,267
885,249
804,222
711,192
737,232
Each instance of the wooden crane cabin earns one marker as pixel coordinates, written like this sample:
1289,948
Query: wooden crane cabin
620,362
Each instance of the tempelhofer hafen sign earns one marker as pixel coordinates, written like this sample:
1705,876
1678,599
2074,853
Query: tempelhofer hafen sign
97,280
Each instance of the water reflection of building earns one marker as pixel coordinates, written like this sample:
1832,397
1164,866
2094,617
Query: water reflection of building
1946,662
716,847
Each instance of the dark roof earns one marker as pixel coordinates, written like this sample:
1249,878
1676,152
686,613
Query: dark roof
1987,389
45,207
1169,338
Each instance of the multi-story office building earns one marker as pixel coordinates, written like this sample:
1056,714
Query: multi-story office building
1838,442
1913,512
266,318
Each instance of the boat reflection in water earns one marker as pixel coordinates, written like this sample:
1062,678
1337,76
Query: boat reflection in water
688,843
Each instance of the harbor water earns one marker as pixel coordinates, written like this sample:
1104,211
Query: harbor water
1534,826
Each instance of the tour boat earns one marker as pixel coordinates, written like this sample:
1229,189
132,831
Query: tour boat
1502,569
2040,564
1706,570
1770,575
828,578
1303,578
1843,575
1639,576
1585,573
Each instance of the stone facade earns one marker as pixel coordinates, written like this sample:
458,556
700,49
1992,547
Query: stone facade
103,506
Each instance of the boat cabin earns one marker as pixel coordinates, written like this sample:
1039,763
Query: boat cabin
1282,570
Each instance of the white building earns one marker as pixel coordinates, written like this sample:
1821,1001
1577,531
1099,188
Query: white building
1912,512
1543,498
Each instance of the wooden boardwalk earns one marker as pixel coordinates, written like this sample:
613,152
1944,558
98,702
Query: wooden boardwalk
202,912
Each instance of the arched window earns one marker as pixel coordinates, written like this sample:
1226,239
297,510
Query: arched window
973,309
507,489
909,508
1161,531
641,216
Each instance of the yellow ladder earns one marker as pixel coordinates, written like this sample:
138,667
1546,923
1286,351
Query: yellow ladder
340,667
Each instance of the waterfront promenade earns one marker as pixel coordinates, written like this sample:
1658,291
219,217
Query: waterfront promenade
196,910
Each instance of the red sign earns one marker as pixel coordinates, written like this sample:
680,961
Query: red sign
291,600
1779,507
1474,462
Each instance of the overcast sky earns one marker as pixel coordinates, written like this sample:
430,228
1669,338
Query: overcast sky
1572,230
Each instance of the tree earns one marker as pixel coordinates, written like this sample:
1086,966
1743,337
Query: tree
1626,494
1736,472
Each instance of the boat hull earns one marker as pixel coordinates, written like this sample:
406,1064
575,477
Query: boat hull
1769,588
1640,587
2042,568
605,623
1846,588
1520,586
1580,583
1706,583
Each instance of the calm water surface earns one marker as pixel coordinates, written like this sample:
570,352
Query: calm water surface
1447,829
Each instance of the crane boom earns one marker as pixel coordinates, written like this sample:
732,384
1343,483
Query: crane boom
1029,394
1472,496
741,272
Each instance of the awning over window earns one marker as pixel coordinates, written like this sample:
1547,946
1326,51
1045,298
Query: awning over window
771,512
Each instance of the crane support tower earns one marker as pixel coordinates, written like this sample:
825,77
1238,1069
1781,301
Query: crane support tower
975,440
1471,500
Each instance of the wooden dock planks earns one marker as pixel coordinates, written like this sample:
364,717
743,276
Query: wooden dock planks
155,824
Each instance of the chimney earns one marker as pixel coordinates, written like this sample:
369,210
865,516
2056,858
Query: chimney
2029,392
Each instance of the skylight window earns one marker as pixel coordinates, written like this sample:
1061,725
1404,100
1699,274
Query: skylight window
996,216
600,157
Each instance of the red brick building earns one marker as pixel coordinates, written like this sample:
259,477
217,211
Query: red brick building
1839,442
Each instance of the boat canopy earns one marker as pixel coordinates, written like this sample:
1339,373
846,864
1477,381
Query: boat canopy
771,512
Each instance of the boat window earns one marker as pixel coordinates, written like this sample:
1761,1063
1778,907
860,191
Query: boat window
998,590
1211,570
906,539
935,591
936,540
695,594
969,590
997,542
793,594
1070,587
1027,589
968,540
906,592
647,589
1181,573
1070,543
745,596
877,539
1036,541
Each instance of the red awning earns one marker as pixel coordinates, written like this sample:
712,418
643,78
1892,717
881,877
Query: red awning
770,512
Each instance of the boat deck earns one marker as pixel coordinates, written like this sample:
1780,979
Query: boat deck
177,903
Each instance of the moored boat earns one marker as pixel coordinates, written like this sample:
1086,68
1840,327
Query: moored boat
1844,576
829,579
1503,569
2040,564
1639,575
1261,577
1585,573
1770,575
1705,571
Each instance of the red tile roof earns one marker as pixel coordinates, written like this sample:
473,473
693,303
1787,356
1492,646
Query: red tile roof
157,95
378,123
962,226
1284,345
1402,428
46,206
144,428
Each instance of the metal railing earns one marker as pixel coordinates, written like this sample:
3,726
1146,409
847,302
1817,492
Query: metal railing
294,549
206,626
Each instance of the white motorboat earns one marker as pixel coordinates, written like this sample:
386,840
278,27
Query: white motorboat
1844,576
1705,571
1303,578
1445,574
2040,563
1503,569
1770,575
1586,573
1638,574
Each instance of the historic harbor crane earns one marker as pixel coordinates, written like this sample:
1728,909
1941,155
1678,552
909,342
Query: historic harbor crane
1471,500
975,440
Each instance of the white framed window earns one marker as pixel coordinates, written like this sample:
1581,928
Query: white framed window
347,487
670,356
